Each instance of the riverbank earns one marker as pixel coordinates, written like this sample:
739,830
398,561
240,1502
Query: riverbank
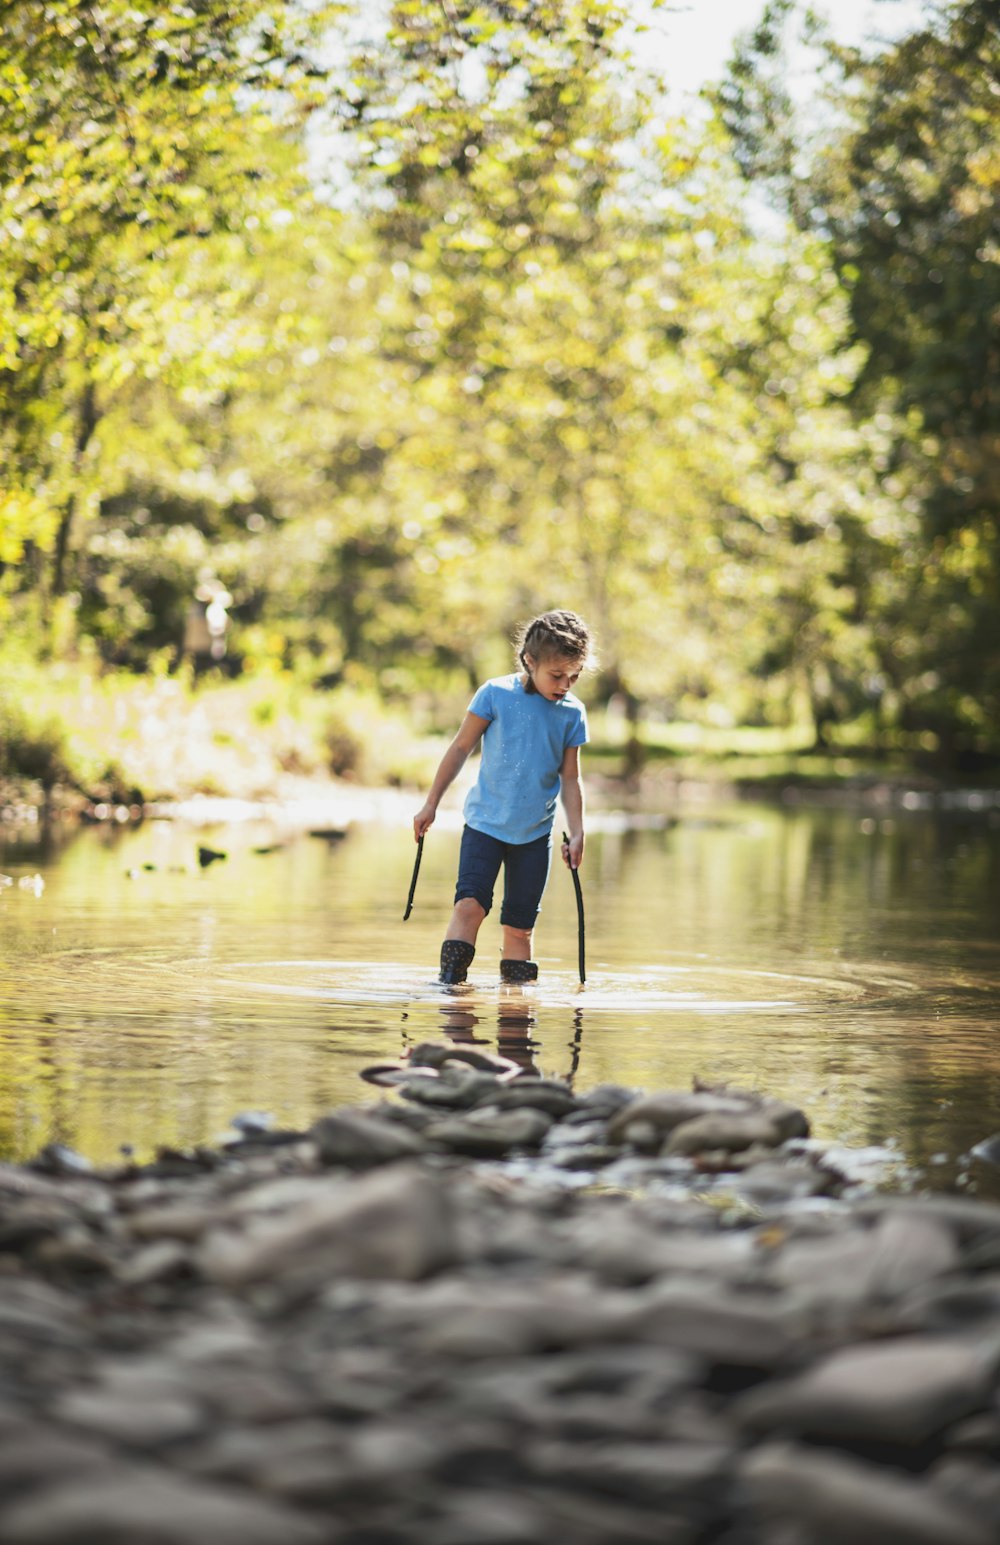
77,743
492,1312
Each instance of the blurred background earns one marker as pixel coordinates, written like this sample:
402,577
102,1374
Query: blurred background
337,338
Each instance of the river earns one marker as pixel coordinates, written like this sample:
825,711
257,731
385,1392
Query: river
843,958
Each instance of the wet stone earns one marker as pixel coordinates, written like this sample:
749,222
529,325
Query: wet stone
972,1484
882,1262
35,1455
588,1156
165,1260
127,1504
483,1517
722,1326
904,1390
491,1133
841,1501
728,1132
977,1434
775,1184
394,1223
454,1088
650,1474
359,1141
535,1094
136,1419
674,1108
501,1314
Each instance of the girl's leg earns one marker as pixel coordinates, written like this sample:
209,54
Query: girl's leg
466,920
526,871
478,866
479,861
516,943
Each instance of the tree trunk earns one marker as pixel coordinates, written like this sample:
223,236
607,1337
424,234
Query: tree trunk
88,418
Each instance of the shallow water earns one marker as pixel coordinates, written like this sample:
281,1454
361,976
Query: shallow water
845,959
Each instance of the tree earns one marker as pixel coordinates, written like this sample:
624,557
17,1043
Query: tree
130,133
904,196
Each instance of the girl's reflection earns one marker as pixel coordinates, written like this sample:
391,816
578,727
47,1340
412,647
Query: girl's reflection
515,1016
516,1019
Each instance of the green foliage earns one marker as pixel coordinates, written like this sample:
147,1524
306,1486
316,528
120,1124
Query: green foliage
129,134
403,322
32,748
904,197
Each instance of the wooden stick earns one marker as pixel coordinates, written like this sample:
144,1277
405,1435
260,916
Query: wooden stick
581,931
413,882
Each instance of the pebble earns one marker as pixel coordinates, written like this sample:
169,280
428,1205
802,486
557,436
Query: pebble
485,1310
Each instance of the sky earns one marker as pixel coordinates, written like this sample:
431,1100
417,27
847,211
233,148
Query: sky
686,45
692,43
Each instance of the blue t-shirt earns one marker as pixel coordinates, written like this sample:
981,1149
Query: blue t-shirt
515,795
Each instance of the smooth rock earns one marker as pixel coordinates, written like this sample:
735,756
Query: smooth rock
957,1302
393,1223
134,1420
585,1519
358,1141
790,1121
605,1099
668,1109
491,1133
16,1182
589,1156
483,1517
37,1313
33,1454
161,1261
131,1504
835,1500
647,1473
623,1249
977,1434
858,1264
722,1130
454,1088
972,1221
899,1391
721,1326
434,1054
972,1484
57,1159
184,1221
392,1075
536,1094
26,1221
237,1453
782,1181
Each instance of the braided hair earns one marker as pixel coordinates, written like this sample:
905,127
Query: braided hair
554,634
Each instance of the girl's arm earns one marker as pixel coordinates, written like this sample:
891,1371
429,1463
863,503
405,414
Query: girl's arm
468,737
572,799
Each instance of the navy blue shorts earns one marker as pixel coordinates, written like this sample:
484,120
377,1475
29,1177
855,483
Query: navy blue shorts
525,872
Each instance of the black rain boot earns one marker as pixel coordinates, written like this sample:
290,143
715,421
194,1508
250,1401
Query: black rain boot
456,958
518,971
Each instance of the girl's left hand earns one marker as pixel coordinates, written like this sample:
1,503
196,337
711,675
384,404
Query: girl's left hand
572,851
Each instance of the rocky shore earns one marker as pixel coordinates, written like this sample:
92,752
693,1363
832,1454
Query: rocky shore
479,1309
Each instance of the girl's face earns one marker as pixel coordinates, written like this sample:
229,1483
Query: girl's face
554,676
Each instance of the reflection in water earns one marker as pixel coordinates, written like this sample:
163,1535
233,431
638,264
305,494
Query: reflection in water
843,960
515,1016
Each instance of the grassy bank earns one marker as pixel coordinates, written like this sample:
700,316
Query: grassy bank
124,737
130,738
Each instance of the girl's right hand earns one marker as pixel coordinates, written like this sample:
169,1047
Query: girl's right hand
423,821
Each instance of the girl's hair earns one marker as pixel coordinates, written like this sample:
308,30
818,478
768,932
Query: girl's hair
555,633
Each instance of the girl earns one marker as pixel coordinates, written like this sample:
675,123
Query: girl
532,728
